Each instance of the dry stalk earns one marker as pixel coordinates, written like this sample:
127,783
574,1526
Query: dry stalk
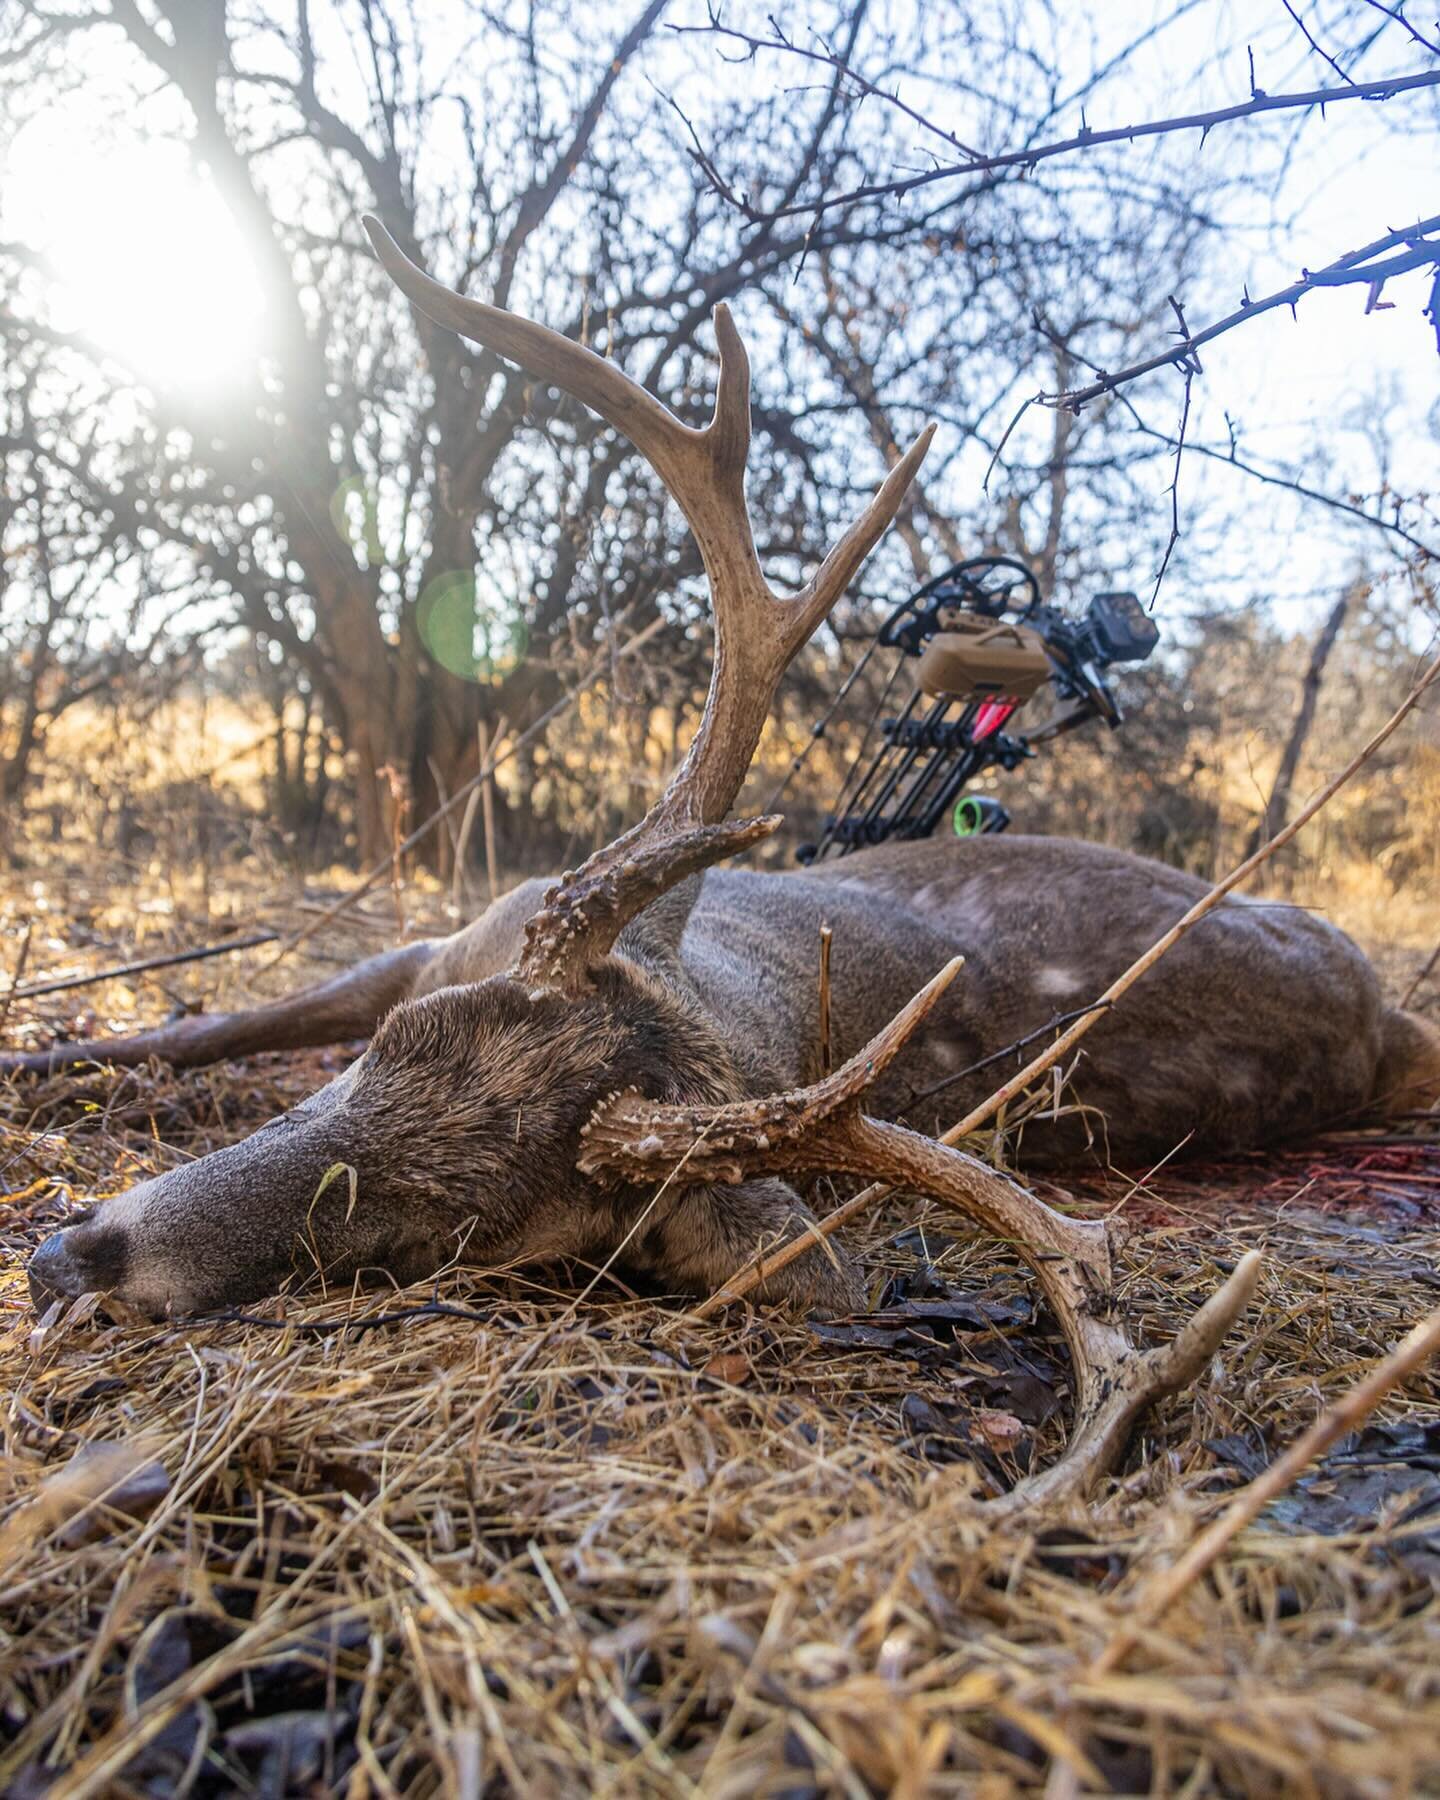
679,1505
484,738
746,1280
487,805
14,988
462,842
826,937
1424,975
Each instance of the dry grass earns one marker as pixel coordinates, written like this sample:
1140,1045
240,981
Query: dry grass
562,1548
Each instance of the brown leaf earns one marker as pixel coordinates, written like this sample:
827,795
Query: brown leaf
730,1367
110,1478
1000,1430
100,1480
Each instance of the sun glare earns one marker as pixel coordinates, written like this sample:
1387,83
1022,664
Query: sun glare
143,256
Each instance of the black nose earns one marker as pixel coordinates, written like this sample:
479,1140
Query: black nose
53,1272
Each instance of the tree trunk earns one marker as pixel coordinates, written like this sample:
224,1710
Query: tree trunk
1276,807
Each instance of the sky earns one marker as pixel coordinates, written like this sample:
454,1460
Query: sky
1304,389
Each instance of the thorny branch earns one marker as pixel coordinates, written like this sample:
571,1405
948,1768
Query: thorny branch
1191,370
1397,13
1229,457
1421,249
973,162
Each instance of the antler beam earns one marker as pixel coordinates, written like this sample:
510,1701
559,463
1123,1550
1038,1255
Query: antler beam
822,1129
757,631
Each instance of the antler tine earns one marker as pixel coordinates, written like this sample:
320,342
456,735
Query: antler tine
757,632
631,1138
585,912
757,635
822,1129
630,408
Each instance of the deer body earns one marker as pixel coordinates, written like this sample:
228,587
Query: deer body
462,1124
490,1118
1204,1053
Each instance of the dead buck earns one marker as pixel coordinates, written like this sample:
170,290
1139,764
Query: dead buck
619,1062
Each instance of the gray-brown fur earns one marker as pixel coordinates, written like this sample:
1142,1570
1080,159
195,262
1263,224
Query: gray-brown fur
462,1120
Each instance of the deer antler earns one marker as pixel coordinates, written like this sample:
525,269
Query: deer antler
757,631
822,1129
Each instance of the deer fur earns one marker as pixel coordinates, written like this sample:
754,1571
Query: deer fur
461,1122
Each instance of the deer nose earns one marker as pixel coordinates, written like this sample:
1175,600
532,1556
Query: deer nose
55,1272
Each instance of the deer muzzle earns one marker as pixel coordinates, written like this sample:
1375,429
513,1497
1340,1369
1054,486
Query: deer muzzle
282,1208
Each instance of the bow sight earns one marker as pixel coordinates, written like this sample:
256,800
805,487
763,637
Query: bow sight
983,643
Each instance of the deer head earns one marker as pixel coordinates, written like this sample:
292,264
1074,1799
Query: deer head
458,1131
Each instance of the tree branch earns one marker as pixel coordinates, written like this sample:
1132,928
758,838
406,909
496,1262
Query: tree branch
1354,268
1258,104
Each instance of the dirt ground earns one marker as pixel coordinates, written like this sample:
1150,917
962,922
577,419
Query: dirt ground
484,1538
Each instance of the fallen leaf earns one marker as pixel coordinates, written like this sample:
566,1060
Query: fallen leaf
100,1480
730,1367
491,1593
110,1478
1001,1430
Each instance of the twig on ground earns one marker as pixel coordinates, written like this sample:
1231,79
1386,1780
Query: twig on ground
1350,1410
431,1309
118,970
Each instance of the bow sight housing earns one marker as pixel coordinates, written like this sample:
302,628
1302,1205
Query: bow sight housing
982,643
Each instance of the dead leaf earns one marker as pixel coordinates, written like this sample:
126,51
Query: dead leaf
491,1593
730,1367
1000,1430
113,1478
101,1479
